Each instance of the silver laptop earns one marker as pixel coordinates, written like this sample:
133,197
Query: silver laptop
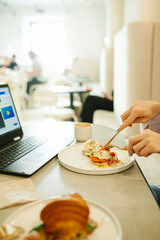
20,154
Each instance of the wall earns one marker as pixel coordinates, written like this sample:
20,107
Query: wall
150,10
114,22
115,14
131,11
11,33
85,31
85,35
141,10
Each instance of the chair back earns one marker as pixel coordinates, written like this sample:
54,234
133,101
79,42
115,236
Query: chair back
46,100
44,97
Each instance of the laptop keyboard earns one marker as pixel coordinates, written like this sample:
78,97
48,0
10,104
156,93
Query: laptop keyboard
18,150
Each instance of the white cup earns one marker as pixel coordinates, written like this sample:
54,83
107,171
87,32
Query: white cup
82,131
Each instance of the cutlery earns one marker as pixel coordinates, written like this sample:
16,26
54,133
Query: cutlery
10,232
106,145
112,146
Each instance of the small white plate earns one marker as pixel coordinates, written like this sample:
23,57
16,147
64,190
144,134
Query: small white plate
73,159
109,227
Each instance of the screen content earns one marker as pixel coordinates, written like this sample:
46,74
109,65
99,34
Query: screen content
8,117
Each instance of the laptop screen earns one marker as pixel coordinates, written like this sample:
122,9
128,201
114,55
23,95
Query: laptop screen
8,117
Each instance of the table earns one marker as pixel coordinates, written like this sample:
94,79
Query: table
80,80
71,91
126,194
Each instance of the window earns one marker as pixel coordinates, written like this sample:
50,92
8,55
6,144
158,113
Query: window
47,39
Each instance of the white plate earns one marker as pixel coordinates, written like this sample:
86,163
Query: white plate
108,225
73,159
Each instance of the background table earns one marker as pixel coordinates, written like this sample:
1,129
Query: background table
71,90
80,80
126,194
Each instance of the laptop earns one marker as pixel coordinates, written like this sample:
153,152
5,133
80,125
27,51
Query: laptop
20,154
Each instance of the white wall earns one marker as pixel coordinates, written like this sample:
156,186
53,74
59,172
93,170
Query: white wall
131,11
114,22
85,29
115,8
85,35
10,32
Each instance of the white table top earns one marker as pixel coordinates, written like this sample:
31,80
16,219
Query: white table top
126,194
68,89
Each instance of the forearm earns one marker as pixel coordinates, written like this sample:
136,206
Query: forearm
155,108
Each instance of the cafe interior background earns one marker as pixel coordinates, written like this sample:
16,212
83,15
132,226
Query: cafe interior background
102,45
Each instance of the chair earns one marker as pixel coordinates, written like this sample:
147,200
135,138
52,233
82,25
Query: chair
17,85
31,91
47,100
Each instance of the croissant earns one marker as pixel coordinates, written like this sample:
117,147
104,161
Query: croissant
65,218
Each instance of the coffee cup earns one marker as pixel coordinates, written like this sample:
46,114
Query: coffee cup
83,131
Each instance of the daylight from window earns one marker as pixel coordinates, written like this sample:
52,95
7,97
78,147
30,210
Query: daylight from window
47,39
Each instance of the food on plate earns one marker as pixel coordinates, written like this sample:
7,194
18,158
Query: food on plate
9,232
65,218
99,155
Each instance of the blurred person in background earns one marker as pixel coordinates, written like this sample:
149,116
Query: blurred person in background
13,65
70,70
93,103
35,75
6,62
4,66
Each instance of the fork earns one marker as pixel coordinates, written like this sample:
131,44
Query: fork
112,145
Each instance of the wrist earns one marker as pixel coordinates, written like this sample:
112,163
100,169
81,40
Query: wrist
157,108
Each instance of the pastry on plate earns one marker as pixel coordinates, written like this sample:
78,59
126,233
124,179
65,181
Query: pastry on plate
65,218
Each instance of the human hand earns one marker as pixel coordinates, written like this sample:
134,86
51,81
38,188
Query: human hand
144,144
140,112
107,96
